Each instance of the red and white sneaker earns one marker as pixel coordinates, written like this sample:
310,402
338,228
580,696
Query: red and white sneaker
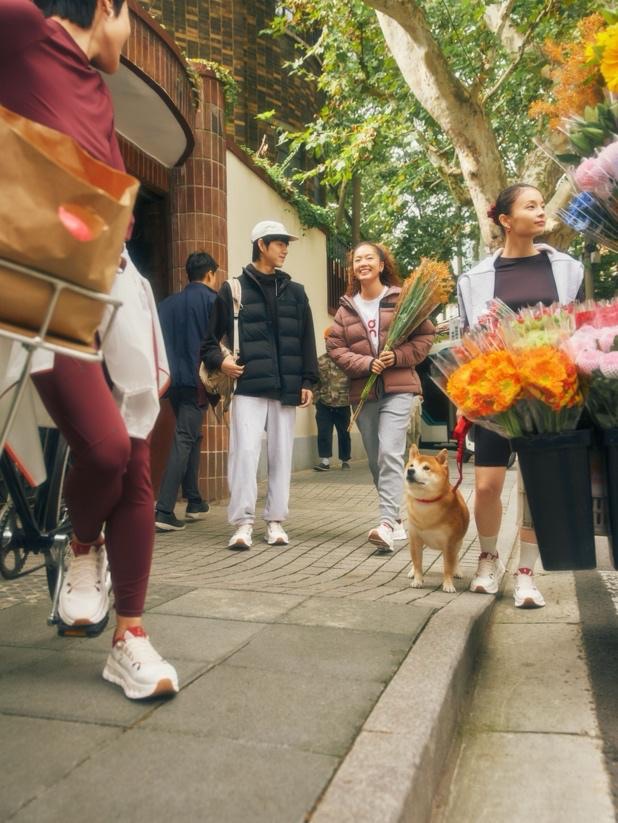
382,536
83,604
488,574
525,593
135,666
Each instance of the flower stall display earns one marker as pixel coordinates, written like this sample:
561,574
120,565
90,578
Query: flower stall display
515,375
594,349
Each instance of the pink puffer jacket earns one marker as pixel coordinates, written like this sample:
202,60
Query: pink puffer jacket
349,346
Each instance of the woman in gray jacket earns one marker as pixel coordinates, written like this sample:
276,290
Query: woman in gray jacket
522,273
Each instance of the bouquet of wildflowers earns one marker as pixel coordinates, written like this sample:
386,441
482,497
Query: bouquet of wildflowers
426,288
594,349
513,375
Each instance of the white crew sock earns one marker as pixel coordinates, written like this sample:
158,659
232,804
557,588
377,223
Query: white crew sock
488,544
528,555
325,461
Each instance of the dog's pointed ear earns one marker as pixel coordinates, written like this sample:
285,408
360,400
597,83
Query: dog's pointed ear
414,452
442,456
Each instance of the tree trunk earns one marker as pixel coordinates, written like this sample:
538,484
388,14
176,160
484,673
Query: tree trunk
452,105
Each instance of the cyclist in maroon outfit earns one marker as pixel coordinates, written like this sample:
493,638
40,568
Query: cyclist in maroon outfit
50,54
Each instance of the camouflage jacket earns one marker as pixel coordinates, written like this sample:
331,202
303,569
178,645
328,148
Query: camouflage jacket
333,388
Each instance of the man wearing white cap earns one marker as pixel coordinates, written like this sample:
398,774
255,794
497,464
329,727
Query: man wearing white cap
275,372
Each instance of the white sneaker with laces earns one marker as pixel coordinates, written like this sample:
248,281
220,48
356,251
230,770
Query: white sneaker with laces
135,666
525,593
275,534
399,533
83,605
382,536
241,539
488,574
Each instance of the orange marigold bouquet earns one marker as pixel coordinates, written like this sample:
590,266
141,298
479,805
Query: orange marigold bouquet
511,374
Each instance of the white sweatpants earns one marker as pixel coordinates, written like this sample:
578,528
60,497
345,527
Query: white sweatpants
250,417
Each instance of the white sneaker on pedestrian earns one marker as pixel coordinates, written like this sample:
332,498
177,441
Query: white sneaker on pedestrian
382,536
525,593
275,534
83,604
399,533
241,539
135,666
488,574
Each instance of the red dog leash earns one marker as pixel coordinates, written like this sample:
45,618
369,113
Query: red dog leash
459,433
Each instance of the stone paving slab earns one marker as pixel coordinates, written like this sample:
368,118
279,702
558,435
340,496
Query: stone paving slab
314,651
573,789
38,754
320,714
158,776
355,614
262,607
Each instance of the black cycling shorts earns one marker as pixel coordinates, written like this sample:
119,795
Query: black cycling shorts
490,449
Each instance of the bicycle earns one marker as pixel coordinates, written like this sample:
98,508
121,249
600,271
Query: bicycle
35,520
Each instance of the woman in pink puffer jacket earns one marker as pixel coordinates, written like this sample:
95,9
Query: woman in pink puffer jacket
356,342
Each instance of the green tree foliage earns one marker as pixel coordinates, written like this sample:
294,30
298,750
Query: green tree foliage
414,196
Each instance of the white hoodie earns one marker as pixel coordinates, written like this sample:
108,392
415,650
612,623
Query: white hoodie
476,287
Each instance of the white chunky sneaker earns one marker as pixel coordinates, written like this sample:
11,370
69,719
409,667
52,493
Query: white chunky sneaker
488,574
275,534
83,605
241,539
525,593
135,666
382,536
399,533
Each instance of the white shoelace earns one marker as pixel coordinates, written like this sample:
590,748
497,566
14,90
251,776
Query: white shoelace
83,572
488,567
139,650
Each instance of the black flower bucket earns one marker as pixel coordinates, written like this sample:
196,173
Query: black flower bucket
610,443
556,473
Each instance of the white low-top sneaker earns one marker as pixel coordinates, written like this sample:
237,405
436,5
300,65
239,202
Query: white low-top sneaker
399,533
140,671
382,536
275,534
525,593
488,574
241,539
83,605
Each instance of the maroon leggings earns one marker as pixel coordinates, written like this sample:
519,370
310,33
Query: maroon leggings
109,480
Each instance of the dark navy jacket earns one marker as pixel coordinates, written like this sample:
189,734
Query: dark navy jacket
184,319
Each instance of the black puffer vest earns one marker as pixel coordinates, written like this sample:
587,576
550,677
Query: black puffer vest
271,365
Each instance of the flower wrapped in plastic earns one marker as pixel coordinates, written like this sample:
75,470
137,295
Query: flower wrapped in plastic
515,377
594,349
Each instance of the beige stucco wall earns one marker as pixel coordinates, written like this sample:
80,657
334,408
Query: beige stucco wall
250,200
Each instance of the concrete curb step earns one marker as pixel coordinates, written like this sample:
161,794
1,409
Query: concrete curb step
392,772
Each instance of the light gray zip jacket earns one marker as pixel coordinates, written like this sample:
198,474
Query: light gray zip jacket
476,287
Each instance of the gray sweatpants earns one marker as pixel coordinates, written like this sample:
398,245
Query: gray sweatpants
383,425
250,417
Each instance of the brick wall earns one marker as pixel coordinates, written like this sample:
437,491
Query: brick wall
228,31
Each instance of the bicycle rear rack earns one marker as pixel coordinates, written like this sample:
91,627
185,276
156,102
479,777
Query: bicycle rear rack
33,341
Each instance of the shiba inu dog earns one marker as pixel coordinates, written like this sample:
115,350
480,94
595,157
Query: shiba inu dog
437,516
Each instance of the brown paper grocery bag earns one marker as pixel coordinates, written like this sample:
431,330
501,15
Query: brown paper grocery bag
46,182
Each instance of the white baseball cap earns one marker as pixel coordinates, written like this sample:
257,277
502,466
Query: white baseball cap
270,227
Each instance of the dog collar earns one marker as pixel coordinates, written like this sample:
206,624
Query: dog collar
432,500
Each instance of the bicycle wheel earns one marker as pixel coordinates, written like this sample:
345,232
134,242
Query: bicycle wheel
12,558
55,517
